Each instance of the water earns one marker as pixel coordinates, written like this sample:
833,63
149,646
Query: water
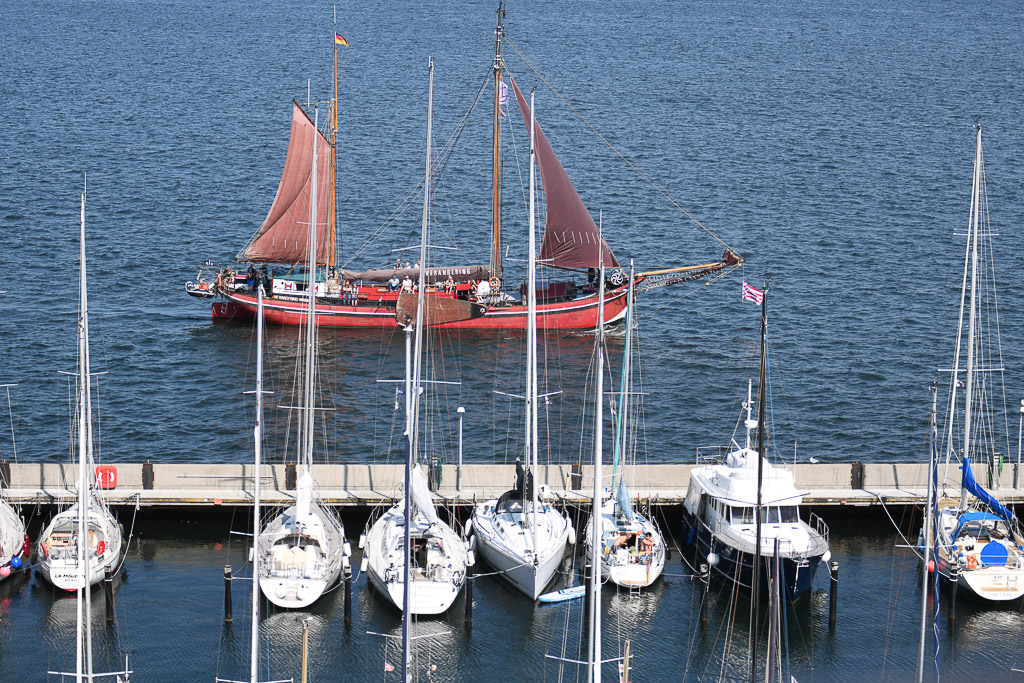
832,146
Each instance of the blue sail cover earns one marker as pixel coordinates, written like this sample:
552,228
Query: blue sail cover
622,500
981,494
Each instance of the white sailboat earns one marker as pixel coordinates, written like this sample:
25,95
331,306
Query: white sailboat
87,529
413,558
631,547
303,547
978,539
519,535
257,501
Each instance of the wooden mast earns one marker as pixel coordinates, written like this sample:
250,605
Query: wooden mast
496,151
331,259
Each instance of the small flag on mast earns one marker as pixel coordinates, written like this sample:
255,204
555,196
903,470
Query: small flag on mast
338,40
752,293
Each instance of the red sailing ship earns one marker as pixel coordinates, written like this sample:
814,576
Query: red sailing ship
467,297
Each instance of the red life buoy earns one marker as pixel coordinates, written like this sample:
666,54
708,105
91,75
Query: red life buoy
495,283
100,547
46,551
972,562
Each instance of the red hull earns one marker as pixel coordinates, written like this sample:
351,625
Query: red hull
579,314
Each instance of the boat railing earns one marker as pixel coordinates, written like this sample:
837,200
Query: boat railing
818,525
712,455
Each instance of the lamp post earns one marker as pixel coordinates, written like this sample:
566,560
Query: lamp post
458,470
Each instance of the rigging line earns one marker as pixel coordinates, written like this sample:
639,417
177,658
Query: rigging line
612,147
437,166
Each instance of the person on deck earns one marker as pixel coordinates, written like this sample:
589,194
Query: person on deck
394,283
250,277
449,284
483,290
407,284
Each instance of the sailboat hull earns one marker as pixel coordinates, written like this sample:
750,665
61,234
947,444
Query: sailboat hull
522,573
58,547
578,314
13,542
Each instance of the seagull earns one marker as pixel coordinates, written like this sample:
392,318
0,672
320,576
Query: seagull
813,460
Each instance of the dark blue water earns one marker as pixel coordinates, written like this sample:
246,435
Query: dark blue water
832,146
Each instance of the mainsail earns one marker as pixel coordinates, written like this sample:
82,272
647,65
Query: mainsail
284,235
571,238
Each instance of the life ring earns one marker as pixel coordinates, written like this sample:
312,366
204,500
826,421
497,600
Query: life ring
972,562
100,547
495,283
45,549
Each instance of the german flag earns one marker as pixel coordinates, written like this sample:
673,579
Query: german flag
338,40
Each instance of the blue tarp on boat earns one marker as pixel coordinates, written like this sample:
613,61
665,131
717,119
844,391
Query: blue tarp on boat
981,494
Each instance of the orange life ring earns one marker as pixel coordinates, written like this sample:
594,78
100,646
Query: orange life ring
495,283
46,550
972,562
100,547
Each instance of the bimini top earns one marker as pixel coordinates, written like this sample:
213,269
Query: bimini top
735,481
969,517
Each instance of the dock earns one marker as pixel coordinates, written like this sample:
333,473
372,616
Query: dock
187,485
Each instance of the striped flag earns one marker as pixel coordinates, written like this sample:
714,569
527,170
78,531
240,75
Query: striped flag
338,40
752,293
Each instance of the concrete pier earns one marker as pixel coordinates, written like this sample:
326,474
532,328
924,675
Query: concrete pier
194,484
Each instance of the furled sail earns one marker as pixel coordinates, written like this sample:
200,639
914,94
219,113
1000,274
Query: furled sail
432,275
571,238
969,483
284,235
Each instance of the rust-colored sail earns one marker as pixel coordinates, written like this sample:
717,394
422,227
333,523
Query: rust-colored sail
284,235
571,238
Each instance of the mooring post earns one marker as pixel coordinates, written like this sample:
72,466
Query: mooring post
108,593
227,594
469,595
833,596
347,567
954,576
705,580
586,596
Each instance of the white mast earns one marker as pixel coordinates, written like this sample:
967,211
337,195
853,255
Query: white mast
420,299
531,344
595,542
310,376
83,649
257,452
968,393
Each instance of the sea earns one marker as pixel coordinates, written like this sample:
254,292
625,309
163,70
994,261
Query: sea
831,144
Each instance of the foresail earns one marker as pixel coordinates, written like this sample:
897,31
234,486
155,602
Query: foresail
571,238
284,235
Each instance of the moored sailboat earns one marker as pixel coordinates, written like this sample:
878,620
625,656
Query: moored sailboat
518,534
631,548
978,539
303,546
87,529
475,295
15,546
414,559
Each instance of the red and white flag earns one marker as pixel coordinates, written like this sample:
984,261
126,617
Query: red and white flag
388,666
752,293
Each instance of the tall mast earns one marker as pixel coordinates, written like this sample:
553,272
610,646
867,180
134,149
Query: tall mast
310,376
417,379
621,440
531,343
496,151
254,650
755,584
968,393
332,258
595,542
927,535
83,630
406,533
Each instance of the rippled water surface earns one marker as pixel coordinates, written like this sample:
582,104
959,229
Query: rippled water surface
830,144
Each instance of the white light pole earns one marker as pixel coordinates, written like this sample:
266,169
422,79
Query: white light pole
458,470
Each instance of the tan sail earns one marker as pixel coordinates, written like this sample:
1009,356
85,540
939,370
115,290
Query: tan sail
284,235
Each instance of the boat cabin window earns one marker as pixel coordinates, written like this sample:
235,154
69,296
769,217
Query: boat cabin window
742,515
